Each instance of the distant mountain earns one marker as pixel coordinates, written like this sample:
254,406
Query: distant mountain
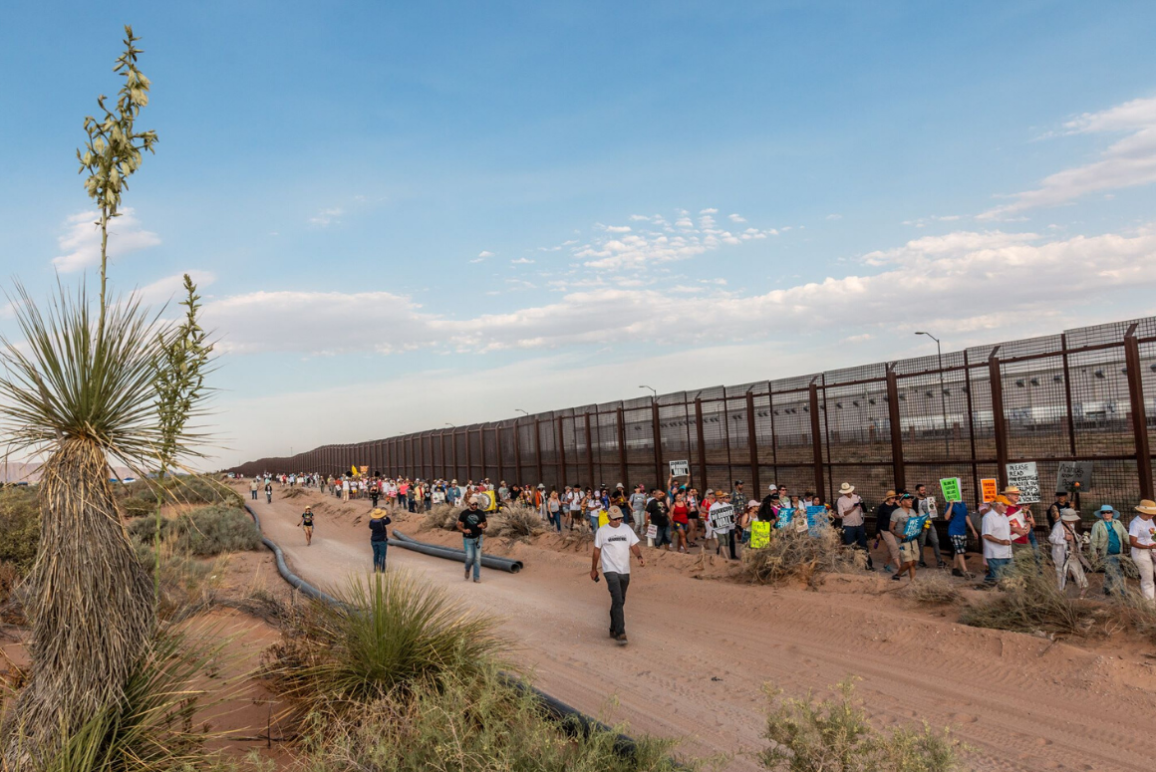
19,471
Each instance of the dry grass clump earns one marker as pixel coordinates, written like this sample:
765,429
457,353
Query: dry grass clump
516,523
292,492
1134,611
795,556
440,516
834,735
933,590
1030,601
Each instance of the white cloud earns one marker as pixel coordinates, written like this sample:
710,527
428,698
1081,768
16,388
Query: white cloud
166,289
736,218
1128,162
81,241
958,278
485,253
522,261
834,217
708,211
327,217
618,229
639,217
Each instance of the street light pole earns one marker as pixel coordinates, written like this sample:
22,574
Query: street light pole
942,394
523,412
653,391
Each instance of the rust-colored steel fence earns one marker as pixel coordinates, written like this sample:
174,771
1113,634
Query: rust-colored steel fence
1084,395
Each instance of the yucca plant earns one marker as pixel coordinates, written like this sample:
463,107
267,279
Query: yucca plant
80,390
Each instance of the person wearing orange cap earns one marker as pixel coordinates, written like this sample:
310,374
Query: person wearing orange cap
1142,537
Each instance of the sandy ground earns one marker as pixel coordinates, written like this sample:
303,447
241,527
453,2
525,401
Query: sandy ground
701,650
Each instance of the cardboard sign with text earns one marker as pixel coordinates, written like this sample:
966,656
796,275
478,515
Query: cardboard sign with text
990,489
679,468
952,491
1025,476
760,534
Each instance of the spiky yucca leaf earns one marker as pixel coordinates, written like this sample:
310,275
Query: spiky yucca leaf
71,380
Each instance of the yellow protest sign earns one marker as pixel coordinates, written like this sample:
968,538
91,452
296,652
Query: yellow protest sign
990,489
760,534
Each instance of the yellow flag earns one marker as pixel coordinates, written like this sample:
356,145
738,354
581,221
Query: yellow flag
354,469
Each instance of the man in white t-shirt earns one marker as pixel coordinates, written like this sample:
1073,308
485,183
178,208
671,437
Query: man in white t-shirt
1142,537
997,539
613,544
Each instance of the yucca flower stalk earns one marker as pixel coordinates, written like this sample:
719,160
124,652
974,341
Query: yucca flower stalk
180,389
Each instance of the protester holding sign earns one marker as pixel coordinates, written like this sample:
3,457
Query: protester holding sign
927,508
658,515
849,511
958,525
1022,521
908,538
722,516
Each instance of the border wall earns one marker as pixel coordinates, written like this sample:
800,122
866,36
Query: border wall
1087,394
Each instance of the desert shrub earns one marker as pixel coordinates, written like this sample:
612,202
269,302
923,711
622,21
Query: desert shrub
1029,601
392,635
834,735
440,516
202,532
151,728
476,723
517,522
20,526
933,590
795,556
292,493
186,582
139,498
1135,612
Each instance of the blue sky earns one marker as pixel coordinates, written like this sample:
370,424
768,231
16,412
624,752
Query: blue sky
403,217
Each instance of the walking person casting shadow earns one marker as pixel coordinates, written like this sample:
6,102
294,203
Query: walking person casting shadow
612,547
379,540
472,522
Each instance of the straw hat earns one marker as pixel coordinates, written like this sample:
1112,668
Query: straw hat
307,507
1147,507
890,495
377,514
1010,489
1069,516
846,488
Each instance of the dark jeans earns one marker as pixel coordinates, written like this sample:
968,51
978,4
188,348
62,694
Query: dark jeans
930,535
857,535
663,536
412,503
617,584
995,567
254,495
473,550
379,548
373,499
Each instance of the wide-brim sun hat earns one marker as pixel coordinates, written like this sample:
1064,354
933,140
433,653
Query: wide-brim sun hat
1107,508
1010,489
890,495
377,514
846,488
1147,507
1069,516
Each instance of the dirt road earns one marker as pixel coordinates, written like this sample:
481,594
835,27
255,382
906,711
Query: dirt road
701,650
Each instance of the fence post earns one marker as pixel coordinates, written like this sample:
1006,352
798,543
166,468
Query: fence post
657,432
1139,411
701,443
997,416
971,425
816,441
518,454
896,429
589,450
538,448
753,444
1068,395
620,417
560,447
774,438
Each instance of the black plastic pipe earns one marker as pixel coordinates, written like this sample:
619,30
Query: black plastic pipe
451,553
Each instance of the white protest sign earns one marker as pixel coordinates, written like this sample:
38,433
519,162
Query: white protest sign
722,517
652,531
680,469
1023,475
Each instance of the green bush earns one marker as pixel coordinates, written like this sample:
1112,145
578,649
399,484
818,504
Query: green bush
139,498
475,723
393,635
203,532
19,527
834,736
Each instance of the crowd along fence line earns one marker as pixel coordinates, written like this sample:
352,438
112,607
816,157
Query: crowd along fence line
1087,394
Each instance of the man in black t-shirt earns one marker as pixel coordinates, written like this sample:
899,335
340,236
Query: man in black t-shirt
379,539
658,515
472,522
307,525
